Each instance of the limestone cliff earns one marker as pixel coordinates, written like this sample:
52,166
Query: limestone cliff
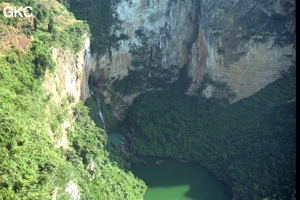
246,44
70,81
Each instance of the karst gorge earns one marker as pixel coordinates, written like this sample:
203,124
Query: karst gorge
148,99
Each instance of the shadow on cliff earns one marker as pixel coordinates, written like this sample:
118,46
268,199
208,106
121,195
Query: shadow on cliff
99,15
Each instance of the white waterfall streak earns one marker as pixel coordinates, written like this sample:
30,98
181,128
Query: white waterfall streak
101,115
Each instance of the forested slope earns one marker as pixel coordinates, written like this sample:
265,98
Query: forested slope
30,165
249,144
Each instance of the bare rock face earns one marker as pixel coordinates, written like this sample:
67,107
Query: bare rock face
70,81
160,31
154,43
247,44
72,190
72,71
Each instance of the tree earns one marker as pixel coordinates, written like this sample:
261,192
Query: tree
40,16
1,30
51,25
35,23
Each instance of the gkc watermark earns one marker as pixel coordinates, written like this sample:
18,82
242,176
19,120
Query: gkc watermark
9,11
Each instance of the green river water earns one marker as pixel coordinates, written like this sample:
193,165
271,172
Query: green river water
175,180
116,138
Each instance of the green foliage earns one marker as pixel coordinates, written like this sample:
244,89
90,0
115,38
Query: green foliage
139,80
42,58
71,98
91,102
99,15
131,83
35,23
40,15
51,25
6,20
88,146
47,30
71,36
30,166
107,114
149,73
66,3
207,77
93,111
242,144
28,158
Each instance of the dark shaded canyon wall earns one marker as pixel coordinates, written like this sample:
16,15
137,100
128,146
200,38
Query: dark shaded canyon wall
247,44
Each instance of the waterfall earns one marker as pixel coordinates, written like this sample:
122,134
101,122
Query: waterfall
101,115
86,67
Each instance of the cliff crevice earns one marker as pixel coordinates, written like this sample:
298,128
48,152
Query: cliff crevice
248,45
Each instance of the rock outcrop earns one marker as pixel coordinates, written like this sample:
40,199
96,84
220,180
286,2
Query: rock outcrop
70,81
245,44
72,74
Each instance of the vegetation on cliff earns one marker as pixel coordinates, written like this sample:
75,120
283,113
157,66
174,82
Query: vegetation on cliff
110,122
31,167
100,17
249,144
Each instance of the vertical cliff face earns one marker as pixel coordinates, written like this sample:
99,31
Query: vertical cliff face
71,75
159,32
246,44
154,43
70,81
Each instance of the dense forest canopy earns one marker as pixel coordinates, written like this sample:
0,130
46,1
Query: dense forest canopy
249,144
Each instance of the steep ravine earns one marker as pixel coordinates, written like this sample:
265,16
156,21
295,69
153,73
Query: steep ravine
50,148
245,44
240,47
81,138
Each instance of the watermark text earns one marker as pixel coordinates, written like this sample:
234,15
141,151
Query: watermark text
17,11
